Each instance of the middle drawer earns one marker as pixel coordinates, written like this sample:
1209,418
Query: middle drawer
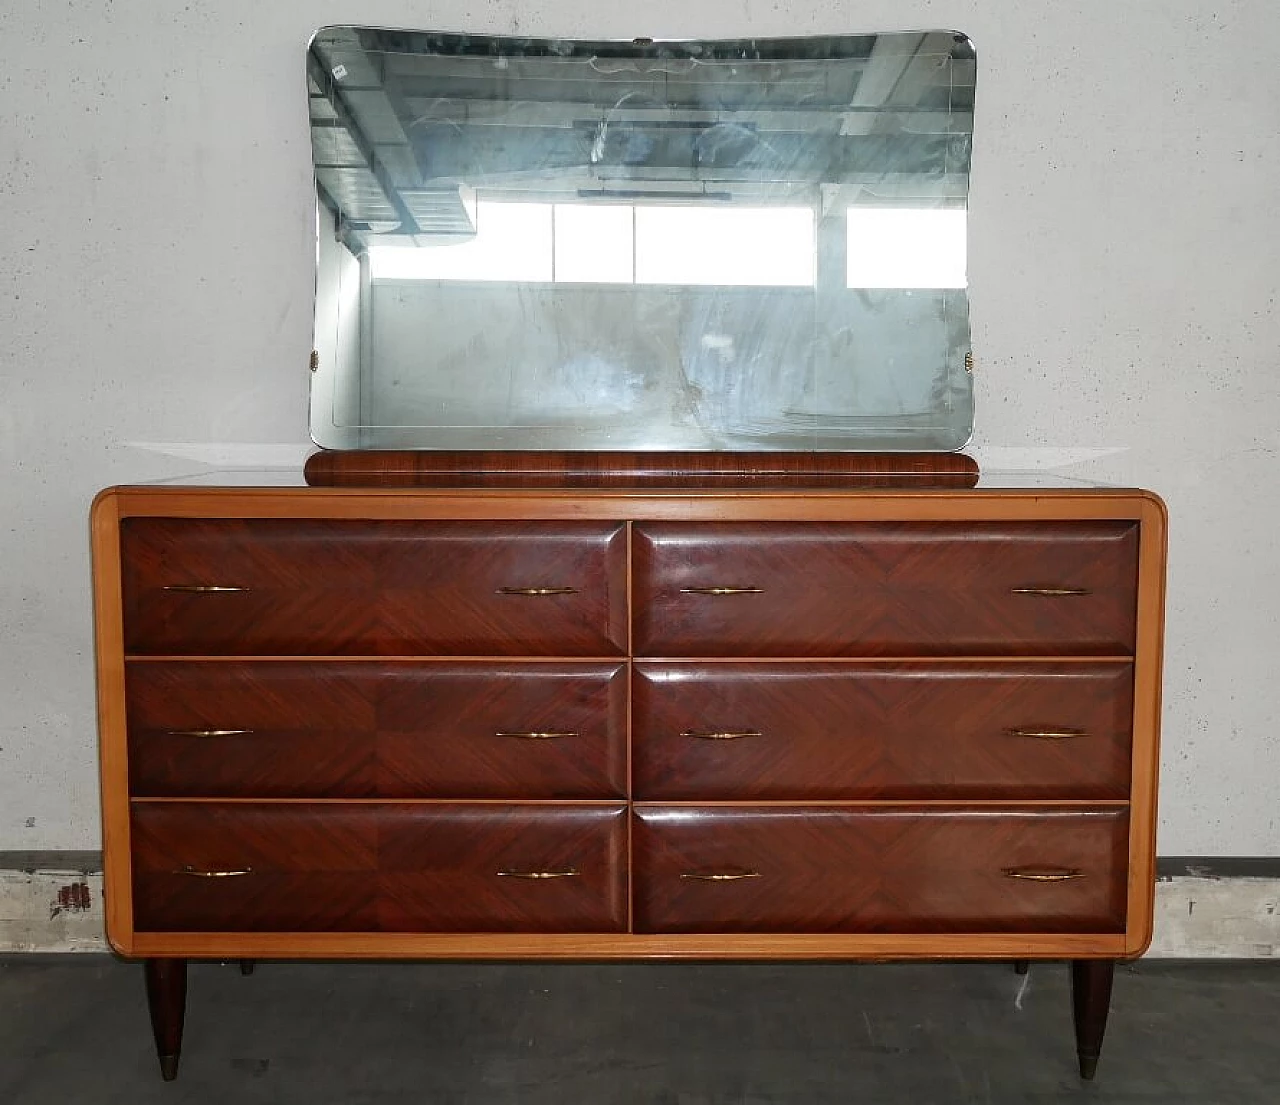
374,729
1014,729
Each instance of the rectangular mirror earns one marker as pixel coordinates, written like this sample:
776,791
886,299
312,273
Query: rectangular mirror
711,245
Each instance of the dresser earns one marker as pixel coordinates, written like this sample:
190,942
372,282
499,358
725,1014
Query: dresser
594,724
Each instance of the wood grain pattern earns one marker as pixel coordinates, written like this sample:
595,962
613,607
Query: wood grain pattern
826,946
925,730
378,867
885,589
372,588
618,469
1015,507
903,869
363,729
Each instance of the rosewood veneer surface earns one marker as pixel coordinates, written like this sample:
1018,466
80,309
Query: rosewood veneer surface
628,722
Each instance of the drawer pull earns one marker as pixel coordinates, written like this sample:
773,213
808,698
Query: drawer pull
1046,734
720,876
1043,874
537,590
722,590
562,873
1051,592
721,734
207,732
197,873
537,734
200,588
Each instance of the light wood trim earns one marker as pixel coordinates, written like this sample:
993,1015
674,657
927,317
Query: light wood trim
378,945
104,531
1149,641
471,505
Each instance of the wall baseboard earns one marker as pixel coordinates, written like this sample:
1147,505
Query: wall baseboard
1206,908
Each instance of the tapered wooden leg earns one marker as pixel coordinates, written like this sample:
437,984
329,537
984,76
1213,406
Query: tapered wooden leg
247,965
1090,999
167,1001
1021,966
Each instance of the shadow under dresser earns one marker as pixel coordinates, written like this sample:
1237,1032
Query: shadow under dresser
597,724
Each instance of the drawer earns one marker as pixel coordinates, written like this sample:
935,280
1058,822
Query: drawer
885,589
898,869
378,867
875,730
357,729
378,588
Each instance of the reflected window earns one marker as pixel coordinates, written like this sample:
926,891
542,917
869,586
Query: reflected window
905,247
579,243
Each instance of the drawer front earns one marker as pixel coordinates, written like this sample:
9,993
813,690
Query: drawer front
312,586
925,730
374,867
879,870
355,729
885,589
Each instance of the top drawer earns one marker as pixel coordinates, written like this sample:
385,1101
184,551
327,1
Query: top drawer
885,588
339,587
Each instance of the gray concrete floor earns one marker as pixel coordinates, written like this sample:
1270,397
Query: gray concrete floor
75,1030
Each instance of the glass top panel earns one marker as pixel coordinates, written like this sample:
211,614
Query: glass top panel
551,244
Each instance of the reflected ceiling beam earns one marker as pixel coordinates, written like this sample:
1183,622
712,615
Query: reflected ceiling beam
342,110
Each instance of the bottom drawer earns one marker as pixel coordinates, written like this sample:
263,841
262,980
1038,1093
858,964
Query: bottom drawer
901,869
379,867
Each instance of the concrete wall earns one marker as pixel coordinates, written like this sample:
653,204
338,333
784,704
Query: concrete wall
155,311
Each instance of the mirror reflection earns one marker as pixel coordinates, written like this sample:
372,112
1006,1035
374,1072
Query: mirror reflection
753,244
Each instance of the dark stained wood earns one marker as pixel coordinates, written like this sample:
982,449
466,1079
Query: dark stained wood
319,586
357,729
378,867
561,469
167,1003
1090,1000
896,869
884,589
921,730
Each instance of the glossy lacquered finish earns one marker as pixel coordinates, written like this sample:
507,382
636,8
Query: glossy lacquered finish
377,729
495,724
885,589
662,469
379,867
879,869
220,586
985,730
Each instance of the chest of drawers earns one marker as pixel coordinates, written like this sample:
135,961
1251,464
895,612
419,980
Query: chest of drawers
592,724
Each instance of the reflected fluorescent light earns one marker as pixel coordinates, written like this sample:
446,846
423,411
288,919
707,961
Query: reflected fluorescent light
906,247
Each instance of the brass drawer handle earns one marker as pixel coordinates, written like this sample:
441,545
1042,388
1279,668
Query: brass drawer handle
1043,874
537,734
537,590
722,590
207,732
561,873
1046,734
1050,592
721,734
201,588
720,876
197,873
